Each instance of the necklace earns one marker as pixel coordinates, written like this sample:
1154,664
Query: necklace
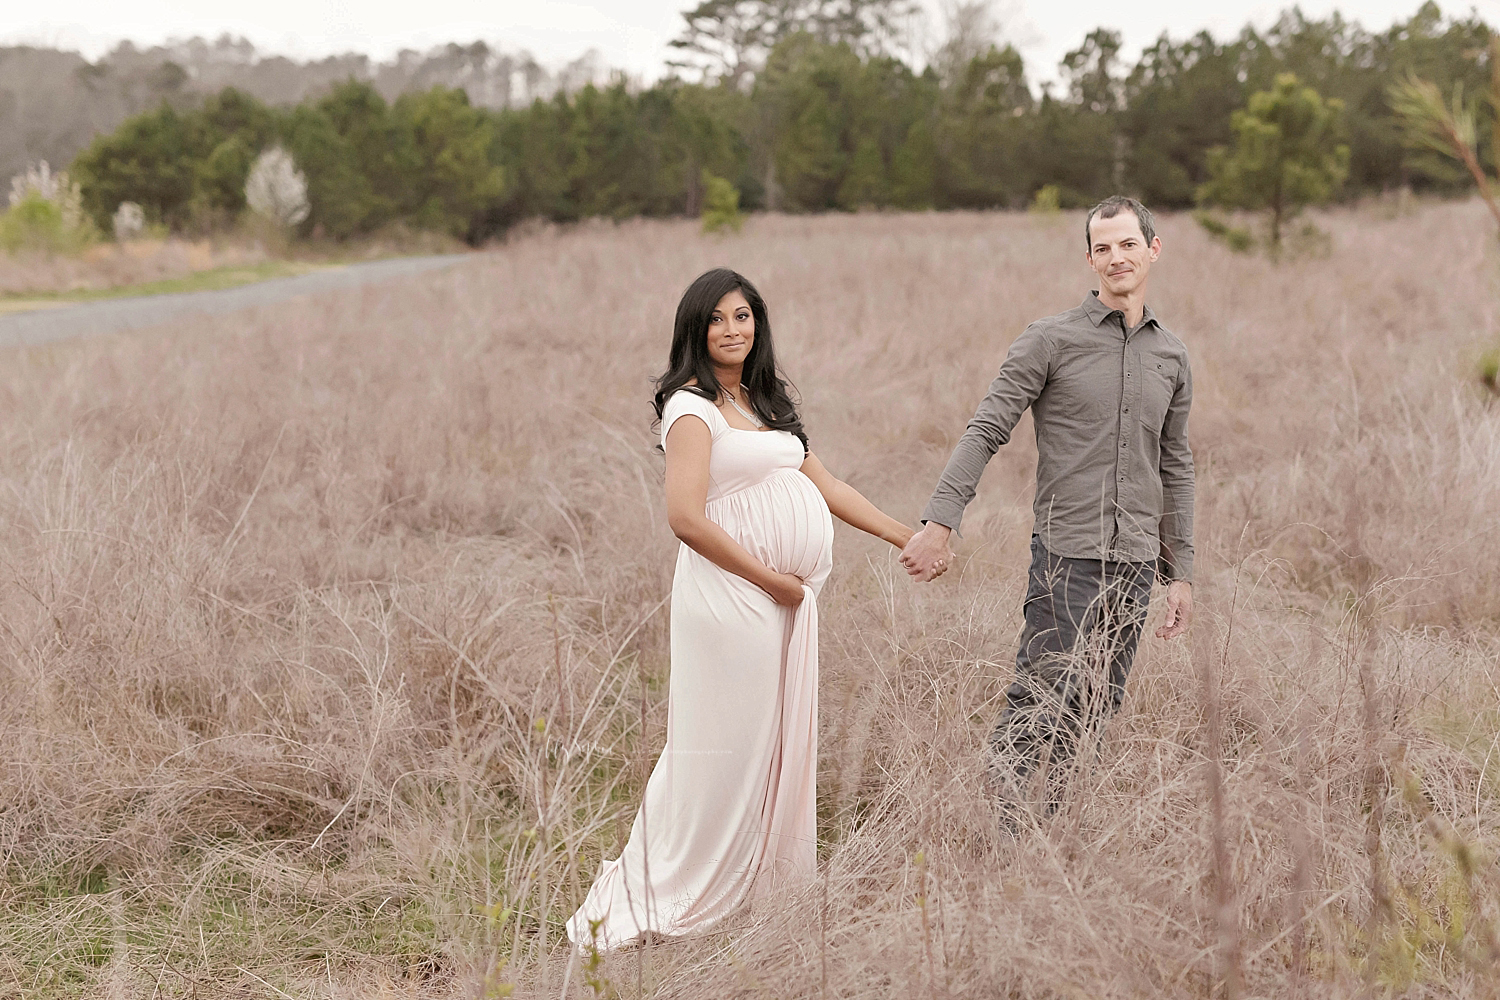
748,416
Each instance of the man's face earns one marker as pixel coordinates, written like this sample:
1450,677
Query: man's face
1119,254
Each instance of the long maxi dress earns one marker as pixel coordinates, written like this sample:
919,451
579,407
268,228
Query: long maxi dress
731,806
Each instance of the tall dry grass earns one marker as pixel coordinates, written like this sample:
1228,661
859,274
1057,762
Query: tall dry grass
111,265
335,647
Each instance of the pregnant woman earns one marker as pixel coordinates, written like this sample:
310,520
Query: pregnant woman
731,805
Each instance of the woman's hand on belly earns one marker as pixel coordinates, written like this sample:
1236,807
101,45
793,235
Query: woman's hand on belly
785,589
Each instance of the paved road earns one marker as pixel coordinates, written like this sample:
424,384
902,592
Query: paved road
112,315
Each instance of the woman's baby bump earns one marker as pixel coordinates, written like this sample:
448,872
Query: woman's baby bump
784,522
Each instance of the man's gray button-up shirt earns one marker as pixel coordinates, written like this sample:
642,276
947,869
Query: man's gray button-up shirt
1114,477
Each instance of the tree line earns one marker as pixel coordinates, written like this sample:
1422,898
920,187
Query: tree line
53,102
808,112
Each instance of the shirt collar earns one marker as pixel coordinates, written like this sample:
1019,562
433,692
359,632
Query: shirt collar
1098,312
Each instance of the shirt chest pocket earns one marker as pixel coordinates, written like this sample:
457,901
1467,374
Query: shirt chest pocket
1158,383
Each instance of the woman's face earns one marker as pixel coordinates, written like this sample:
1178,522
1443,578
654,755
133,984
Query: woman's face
731,331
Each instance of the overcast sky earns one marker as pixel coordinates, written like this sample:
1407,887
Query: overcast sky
629,34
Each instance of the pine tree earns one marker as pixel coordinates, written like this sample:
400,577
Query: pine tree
1286,155
1451,130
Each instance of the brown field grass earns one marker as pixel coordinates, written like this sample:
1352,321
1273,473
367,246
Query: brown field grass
109,265
334,646
112,265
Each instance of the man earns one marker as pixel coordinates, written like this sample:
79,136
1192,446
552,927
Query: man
1109,389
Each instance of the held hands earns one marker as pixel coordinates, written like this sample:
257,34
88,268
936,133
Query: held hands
927,556
786,590
1179,610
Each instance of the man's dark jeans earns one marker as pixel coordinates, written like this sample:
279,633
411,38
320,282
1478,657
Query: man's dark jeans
1083,621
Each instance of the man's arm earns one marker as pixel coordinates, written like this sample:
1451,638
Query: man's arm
1177,484
1022,376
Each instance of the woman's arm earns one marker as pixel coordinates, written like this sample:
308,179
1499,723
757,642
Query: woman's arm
688,443
850,506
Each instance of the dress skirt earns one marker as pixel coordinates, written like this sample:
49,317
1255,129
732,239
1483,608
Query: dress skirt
731,805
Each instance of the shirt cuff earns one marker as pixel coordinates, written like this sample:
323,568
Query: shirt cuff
949,515
1169,572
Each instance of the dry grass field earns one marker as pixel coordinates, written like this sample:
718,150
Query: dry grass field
111,265
150,265
333,646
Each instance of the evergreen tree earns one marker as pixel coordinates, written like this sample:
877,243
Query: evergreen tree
982,121
805,95
235,128
1178,103
1286,155
148,160
457,182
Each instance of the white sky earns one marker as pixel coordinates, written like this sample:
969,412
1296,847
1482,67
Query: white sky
629,34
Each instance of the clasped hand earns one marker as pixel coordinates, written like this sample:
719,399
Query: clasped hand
928,555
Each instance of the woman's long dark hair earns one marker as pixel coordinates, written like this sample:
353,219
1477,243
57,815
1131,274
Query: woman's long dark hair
766,389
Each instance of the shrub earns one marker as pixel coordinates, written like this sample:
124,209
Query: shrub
721,205
1048,200
1489,370
33,223
45,213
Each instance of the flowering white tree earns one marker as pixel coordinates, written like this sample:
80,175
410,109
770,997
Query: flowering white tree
276,189
129,221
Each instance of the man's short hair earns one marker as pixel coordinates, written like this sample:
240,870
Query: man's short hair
1113,206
